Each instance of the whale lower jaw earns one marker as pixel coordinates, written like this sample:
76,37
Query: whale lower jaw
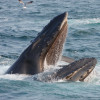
76,71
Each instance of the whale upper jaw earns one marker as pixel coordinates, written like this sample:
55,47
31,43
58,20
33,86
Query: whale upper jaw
52,39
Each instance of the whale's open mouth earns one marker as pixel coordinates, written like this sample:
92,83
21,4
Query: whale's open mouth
52,52
47,47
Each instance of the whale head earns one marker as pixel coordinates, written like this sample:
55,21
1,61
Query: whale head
45,48
77,71
50,41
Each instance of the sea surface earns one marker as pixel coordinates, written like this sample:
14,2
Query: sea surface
18,26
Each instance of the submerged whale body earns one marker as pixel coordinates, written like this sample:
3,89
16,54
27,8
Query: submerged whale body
47,48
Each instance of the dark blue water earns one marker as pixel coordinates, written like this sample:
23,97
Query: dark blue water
18,26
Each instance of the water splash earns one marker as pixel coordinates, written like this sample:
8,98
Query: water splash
46,76
83,21
94,76
14,76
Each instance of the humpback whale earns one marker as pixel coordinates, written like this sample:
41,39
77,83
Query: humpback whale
47,48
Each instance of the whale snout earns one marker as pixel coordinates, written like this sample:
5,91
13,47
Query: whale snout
78,70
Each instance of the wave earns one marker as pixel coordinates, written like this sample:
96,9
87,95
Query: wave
93,78
3,19
84,21
14,77
16,37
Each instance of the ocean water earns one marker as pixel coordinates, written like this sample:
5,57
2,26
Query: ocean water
18,26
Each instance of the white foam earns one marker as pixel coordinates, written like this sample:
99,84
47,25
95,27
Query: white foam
24,7
83,21
62,63
14,76
48,67
3,68
94,77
